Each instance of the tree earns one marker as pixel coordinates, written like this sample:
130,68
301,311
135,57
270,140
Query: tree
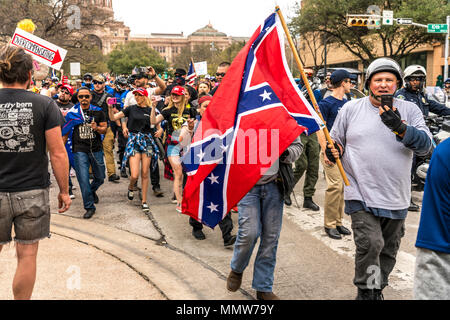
328,17
204,53
125,57
54,20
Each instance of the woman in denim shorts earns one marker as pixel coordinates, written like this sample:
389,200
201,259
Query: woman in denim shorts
176,114
141,147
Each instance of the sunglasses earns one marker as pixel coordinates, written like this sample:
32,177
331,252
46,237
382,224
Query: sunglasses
415,79
97,82
84,97
65,92
221,74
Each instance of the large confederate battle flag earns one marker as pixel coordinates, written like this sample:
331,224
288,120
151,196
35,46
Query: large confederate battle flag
256,113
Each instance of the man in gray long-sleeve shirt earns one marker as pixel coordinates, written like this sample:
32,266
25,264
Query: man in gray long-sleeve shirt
260,216
377,144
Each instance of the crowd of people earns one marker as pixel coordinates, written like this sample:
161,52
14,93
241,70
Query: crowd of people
151,120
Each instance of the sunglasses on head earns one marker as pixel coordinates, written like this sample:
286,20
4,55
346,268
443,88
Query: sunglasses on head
84,96
221,74
97,82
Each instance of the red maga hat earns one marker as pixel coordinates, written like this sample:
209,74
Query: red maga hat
141,92
178,90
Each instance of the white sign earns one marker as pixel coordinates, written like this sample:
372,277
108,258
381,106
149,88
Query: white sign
388,17
403,21
42,51
75,69
201,68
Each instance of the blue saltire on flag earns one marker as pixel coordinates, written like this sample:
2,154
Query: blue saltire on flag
257,102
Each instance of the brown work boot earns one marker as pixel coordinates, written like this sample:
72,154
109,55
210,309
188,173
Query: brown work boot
234,281
266,296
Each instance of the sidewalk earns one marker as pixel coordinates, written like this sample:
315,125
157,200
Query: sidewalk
87,260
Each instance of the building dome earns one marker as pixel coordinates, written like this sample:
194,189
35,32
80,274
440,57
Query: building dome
208,31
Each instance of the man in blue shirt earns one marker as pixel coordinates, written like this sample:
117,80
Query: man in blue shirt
432,276
334,195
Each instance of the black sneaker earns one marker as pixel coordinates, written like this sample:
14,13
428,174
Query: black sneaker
158,192
229,242
114,178
95,197
71,195
288,201
309,204
198,234
123,173
89,213
130,195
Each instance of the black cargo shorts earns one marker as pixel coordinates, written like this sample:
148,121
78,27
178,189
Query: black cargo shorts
29,212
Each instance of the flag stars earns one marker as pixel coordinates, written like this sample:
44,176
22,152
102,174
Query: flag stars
266,95
213,207
213,178
201,155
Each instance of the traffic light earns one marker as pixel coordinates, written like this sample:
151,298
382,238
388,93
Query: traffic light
357,22
364,21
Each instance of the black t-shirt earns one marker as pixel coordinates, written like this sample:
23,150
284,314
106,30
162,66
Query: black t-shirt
64,107
96,97
24,119
174,122
84,139
138,119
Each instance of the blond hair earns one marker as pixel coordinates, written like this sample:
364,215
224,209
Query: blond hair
183,105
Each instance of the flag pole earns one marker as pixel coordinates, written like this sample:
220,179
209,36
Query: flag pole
310,92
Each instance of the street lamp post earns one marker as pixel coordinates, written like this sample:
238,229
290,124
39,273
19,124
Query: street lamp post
447,35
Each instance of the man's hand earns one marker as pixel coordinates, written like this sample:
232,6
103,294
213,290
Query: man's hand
151,72
392,119
94,125
325,159
191,124
125,132
64,202
159,133
333,152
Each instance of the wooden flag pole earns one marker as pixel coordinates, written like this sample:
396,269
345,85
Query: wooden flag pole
310,92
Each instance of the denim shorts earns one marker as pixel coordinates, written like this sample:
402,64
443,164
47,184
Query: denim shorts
173,150
29,212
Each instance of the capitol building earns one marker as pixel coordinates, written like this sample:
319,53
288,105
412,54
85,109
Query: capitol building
168,45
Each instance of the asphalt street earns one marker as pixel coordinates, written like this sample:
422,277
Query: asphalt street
125,254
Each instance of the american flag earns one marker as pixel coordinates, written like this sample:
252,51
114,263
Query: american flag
257,102
192,75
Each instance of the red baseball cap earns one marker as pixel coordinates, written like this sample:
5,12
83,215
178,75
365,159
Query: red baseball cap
68,88
178,90
204,99
141,92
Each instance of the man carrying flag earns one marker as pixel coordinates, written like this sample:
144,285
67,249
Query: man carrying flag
258,102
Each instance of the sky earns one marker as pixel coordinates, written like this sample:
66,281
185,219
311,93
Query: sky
238,18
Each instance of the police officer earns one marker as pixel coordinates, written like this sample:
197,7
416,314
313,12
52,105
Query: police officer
120,92
415,78
413,91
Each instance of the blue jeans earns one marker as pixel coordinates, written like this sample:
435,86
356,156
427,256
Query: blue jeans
260,216
82,162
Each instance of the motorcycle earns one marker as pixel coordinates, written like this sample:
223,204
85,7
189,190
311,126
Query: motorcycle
440,129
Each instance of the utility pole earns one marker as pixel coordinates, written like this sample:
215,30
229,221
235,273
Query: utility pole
447,35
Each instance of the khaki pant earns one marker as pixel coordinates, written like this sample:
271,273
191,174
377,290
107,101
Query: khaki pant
108,150
334,195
